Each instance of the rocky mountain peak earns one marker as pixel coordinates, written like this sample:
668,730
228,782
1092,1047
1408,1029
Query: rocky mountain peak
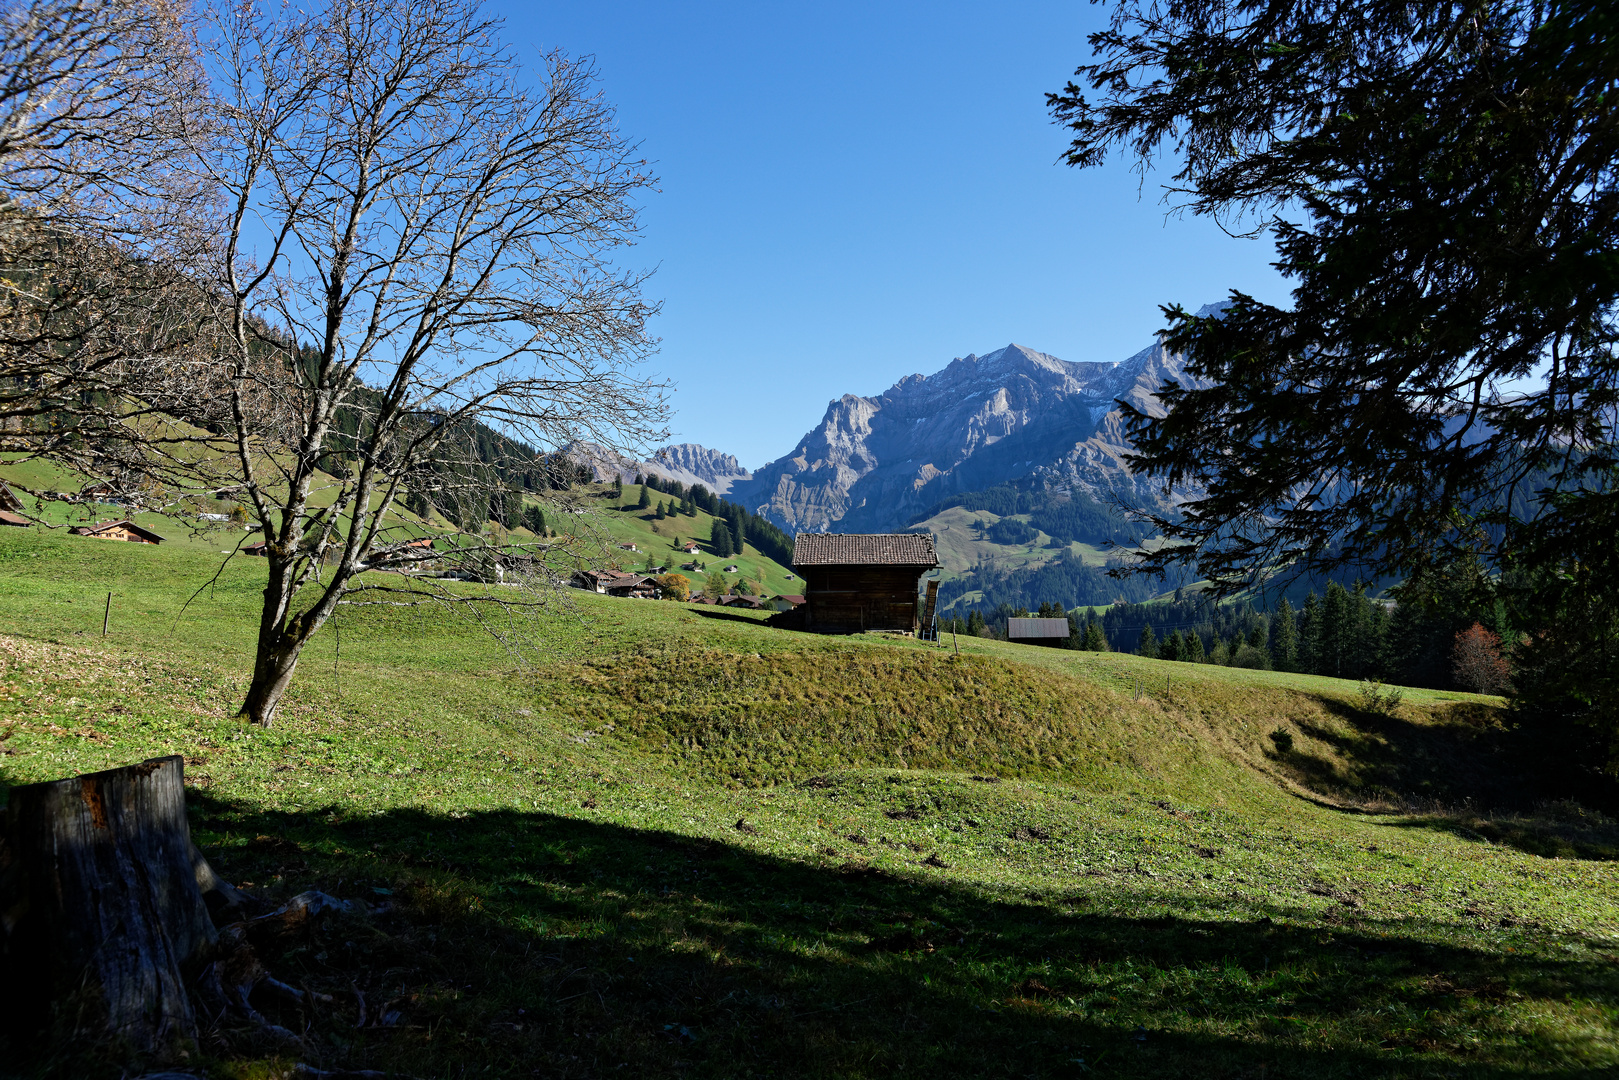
689,463
1014,413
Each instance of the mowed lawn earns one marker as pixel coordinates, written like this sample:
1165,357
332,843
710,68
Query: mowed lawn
648,839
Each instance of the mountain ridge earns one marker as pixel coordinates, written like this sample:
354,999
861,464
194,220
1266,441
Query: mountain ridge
1014,414
689,463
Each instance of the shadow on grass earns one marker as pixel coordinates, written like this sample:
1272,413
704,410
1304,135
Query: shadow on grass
1559,831
728,616
1471,775
528,944
1473,757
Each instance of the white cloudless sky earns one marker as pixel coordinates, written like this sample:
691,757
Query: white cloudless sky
850,193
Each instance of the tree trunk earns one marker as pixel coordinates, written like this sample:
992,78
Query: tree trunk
272,674
105,907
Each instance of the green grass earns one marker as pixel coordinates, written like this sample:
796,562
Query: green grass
661,840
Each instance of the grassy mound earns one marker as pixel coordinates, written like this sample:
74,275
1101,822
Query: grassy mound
756,720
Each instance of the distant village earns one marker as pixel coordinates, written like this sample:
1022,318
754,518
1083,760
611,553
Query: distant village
852,583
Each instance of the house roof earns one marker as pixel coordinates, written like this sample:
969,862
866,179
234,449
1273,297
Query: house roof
864,549
103,526
1037,628
13,519
8,498
791,598
613,579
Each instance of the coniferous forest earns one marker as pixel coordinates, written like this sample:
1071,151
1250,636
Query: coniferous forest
1444,632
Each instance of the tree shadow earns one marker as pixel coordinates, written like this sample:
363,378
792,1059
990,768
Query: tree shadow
518,944
1554,831
1464,755
1471,775
730,616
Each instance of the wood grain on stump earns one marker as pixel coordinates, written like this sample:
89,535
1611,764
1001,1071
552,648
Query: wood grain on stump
107,911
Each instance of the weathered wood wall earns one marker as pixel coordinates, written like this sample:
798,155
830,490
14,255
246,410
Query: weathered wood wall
1047,642
850,599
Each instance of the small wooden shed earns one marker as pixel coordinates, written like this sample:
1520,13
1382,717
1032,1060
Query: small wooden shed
1052,633
861,581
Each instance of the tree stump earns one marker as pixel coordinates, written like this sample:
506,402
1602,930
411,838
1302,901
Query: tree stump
105,907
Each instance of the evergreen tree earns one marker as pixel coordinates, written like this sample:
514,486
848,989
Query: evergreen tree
719,538
976,625
1310,635
661,514
534,519
1488,206
738,533
1095,640
1337,632
645,501
1432,608
1173,648
1194,648
1147,644
1284,638
618,486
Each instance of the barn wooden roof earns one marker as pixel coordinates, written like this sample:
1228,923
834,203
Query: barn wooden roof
1037,628
103,526
864,549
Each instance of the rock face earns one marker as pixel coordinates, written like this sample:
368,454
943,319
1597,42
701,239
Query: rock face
874,463
693,464
688,463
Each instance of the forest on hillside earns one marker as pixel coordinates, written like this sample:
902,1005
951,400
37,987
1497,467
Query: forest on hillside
1446,632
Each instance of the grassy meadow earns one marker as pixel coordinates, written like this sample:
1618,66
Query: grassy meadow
652,839
961,548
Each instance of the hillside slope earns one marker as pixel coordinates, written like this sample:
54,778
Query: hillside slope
660,542
674,840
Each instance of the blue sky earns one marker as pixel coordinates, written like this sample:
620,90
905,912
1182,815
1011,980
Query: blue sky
854,192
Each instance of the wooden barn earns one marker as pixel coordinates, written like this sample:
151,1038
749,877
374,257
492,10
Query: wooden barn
119,530
861,581
1052,633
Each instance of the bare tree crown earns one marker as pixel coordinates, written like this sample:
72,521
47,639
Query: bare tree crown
420,246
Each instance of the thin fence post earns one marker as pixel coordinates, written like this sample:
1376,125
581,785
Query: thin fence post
105,615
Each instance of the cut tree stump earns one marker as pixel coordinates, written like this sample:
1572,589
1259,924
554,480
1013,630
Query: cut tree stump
106,907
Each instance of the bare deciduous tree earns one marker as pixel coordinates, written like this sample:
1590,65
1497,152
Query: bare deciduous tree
103,222
417,294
